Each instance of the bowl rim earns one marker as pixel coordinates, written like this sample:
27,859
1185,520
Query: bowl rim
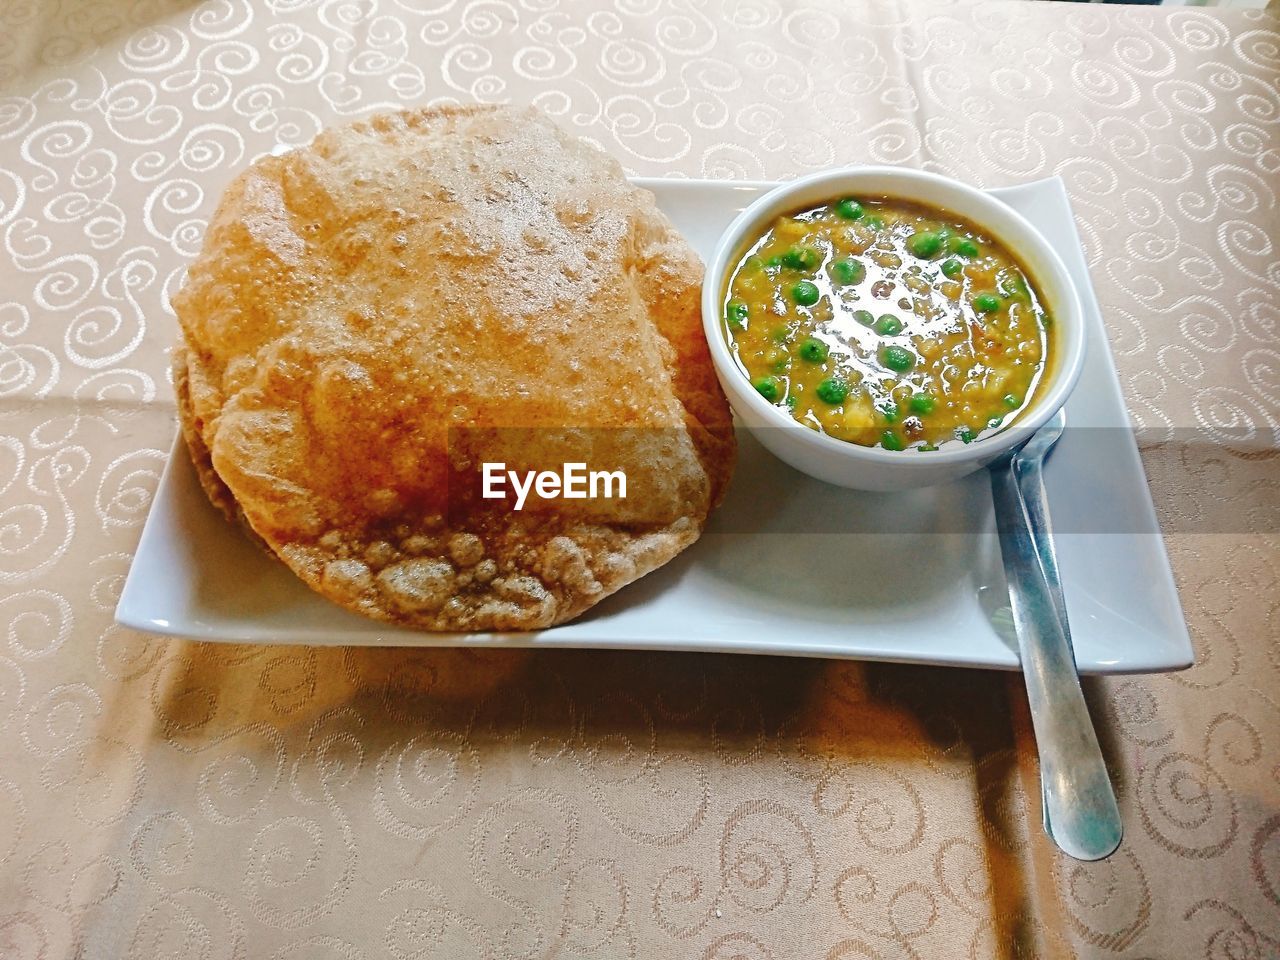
1071,333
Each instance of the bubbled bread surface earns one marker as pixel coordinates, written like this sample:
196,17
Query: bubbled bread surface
379,312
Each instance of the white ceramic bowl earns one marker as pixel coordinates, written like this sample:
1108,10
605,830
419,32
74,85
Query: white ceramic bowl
874,468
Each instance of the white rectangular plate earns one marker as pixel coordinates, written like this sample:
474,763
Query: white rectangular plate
896,589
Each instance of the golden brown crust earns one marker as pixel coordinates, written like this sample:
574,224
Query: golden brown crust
217,492
375,314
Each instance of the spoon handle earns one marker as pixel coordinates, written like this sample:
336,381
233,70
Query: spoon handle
1080,809
1029,474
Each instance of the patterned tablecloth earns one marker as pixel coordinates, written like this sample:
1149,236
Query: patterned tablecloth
171,799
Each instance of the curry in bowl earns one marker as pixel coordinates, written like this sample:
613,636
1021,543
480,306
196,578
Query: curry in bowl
888,323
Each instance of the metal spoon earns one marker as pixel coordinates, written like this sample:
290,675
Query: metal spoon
1080,812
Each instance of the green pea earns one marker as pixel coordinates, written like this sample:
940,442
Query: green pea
922,403
928,447
792,401
850,209
768,387
864,317
965,435
952,267
925,244
1011,400
875,223
736,312
814,350
986,303
848,271
888,410
1046,321
774,261
890,440
832,391
995,421
897,358
963,246
780,365
779,335
805,293
752,263
888,325
801,257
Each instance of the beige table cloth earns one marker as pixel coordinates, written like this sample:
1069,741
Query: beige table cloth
170,799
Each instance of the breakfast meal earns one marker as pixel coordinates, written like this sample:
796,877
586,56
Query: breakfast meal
886,322
379,319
